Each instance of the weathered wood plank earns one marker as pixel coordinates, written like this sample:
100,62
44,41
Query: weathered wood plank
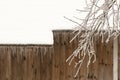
109,57
55,68
100,59
68,52
119,58
62,61
24,64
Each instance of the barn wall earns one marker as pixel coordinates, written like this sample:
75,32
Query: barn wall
48,62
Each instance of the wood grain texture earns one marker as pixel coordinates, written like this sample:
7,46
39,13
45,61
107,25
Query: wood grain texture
24,62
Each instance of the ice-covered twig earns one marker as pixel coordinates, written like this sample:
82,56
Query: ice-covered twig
102,19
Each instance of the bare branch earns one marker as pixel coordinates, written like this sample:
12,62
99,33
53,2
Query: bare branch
101,20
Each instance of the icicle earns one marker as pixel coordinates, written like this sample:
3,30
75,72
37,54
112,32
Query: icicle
45,50
36,51
51,52
41,49
64,37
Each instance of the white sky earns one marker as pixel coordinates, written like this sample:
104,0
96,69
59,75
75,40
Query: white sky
32,21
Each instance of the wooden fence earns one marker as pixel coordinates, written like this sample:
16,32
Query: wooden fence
26,62
48,62
102,69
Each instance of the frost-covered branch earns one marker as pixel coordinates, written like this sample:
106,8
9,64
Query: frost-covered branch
103,18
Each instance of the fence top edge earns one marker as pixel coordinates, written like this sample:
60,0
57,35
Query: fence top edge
69,30
50,45
62,30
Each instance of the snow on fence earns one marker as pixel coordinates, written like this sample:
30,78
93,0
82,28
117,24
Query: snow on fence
48,62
